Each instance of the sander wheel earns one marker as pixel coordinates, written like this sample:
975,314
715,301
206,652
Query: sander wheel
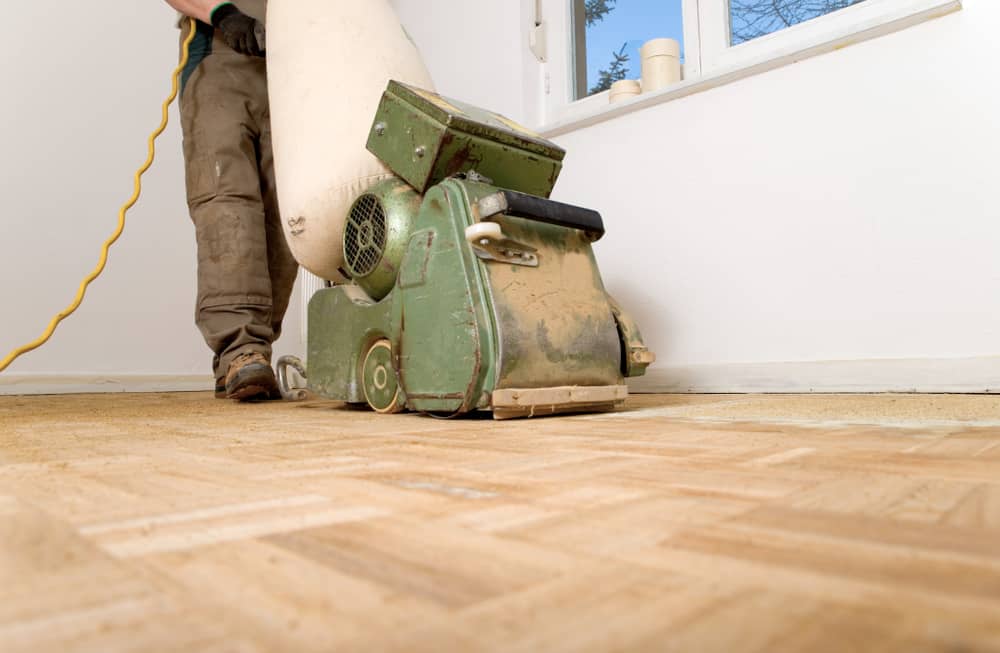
379,379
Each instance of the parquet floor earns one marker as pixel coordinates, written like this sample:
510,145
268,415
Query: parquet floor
180,523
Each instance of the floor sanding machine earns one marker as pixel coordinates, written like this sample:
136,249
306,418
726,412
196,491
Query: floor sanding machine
471,290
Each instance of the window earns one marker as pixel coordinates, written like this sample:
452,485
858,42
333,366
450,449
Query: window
592,43
609,33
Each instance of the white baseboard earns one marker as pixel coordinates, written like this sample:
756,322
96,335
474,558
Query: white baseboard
52,384
951,375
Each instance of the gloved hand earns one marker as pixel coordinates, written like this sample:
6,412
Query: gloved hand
241,32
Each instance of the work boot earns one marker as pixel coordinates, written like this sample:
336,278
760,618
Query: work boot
251,378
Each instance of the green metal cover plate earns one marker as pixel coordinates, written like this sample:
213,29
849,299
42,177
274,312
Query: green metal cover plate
554,323
425,138
444,335
342,326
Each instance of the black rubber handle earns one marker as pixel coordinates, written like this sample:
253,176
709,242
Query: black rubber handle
557,213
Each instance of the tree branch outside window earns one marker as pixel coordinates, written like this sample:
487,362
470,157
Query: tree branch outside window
751,19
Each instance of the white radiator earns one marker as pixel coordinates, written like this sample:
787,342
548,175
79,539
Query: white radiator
310,285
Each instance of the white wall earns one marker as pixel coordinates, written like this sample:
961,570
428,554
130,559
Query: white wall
82,86
839,211
475,51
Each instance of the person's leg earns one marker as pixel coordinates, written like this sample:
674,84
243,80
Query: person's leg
282,266
234,304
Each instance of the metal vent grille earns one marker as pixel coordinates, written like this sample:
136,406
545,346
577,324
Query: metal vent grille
364,236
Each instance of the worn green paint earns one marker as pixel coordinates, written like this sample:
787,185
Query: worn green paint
343,324
461,327
425,139
444,338
554,322
631,339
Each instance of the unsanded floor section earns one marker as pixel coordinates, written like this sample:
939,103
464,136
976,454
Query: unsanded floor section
178,522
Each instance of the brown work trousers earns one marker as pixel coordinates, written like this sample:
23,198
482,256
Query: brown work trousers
245,268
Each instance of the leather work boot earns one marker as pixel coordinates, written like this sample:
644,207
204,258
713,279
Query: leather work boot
251,378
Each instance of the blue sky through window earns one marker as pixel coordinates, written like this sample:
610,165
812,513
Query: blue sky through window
631,23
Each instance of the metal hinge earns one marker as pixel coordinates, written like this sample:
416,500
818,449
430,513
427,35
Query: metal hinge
490,244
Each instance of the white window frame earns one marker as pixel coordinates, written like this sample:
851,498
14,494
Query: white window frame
710,60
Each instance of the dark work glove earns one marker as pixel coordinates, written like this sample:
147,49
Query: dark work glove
241,32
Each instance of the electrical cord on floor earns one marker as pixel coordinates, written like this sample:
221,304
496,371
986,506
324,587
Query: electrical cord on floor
20,351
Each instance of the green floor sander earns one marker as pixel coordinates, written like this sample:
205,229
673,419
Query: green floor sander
471,290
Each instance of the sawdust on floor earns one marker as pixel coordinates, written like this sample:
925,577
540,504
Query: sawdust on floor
876,409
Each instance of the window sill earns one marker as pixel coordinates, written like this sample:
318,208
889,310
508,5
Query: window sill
596,109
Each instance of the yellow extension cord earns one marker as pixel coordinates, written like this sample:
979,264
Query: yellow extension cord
17,353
